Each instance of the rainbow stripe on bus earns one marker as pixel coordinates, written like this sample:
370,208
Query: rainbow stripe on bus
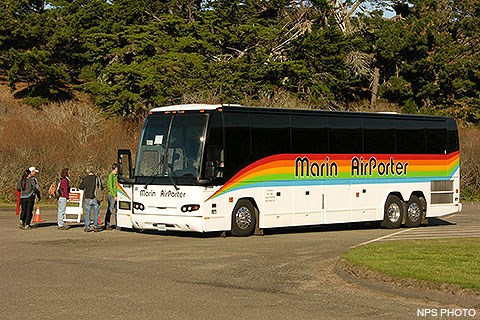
334,169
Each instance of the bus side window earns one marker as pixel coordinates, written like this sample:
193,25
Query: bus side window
214,160
452,136
237,142
410,135
270,134
378,135
344,134
436,137
309,134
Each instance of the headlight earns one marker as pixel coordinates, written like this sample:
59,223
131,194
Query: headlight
190,207
138,206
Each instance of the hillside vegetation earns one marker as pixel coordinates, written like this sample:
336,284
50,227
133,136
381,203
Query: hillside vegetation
77,134
72,134
82,74
329,54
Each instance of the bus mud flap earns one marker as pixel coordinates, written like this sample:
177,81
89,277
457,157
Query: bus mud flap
258,231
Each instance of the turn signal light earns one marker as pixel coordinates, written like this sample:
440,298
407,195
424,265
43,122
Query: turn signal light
190,207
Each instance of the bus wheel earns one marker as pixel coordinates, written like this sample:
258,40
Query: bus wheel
414,212
393,213
243,219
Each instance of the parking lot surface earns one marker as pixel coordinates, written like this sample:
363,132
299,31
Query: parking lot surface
286,274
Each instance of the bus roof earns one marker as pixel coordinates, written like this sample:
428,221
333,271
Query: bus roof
187,107
201,106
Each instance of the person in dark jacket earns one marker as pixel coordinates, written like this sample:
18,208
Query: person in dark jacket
22,184
62,200
28,187
88,185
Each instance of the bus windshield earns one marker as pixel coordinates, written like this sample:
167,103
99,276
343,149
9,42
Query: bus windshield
171,145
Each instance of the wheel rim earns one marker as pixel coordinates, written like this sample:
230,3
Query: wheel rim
243,218
393,213
414,211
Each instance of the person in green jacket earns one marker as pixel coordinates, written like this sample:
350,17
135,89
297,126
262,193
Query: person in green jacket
112,196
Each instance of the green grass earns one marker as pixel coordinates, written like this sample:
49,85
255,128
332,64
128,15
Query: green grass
452,261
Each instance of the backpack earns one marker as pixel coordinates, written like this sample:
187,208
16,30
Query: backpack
98,190
54,190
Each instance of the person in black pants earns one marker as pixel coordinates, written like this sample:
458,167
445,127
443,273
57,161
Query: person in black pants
21,184
28,188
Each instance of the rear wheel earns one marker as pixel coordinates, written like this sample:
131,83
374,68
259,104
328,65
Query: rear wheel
393,212
414,212
243,219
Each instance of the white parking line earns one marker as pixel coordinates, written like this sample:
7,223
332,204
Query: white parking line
454,230
380,238
435,237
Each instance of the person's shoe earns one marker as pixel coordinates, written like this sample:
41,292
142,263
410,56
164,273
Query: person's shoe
96,229
87,230
20,223
64,227
108,228
27,227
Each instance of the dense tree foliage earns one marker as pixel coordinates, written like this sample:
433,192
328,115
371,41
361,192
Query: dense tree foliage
135,55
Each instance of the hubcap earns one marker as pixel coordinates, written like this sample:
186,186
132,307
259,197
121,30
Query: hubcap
243,218
393,213
414,211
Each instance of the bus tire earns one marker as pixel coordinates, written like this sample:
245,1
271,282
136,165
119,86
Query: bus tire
393,212
244,219
413,212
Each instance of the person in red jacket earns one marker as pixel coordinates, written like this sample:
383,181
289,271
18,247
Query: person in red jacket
63,199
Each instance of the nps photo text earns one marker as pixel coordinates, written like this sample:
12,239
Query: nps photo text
446,312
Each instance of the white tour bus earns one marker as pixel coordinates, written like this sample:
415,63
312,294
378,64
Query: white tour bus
243,169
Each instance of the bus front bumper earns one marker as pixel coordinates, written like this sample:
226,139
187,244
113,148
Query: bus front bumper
167,222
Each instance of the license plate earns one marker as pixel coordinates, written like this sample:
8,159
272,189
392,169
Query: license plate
161,227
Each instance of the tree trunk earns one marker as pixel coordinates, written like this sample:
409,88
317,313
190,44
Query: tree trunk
376,79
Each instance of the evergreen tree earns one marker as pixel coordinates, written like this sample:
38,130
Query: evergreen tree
133,56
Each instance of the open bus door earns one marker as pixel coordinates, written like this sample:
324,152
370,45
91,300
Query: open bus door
125,189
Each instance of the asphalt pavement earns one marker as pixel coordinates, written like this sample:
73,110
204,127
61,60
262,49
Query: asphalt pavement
286,274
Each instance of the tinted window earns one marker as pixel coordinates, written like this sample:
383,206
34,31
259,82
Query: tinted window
237,141
436,135
215,130
345,134
410,136
309,134
452,136
378,135
270,133
214,157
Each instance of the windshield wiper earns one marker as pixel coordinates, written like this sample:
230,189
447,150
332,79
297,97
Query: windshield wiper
171,178
168,174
